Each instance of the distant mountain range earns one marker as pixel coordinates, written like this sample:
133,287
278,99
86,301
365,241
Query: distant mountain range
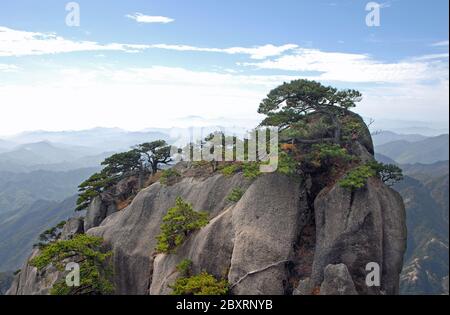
6,278
383,137
426,151
98,139
18,190
49,156
40,172
426,267
425,191
404,127
19,230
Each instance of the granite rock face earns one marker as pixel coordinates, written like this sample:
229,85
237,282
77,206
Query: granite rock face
30,281
360,227
284,236
337,281
73,227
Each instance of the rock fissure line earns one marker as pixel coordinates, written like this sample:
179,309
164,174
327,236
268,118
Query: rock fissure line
258,271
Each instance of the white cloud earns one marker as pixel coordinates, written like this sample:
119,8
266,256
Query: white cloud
142,18
421,102
8,68
349,67
22,43
113,96
138,98
132,99
257,52
441,43
431,57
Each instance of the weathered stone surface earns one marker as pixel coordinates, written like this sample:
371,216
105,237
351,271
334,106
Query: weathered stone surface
305,287
364,136
73,227
131,233
209,249
255,243
30,281
95,214
104,205
337,281
357,228
266,226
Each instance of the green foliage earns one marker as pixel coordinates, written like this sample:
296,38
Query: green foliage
291,102
87,251
308,128
251,170
17,272
153,154
91,188
121,164
357,177
202,284
390,174
327,155
231,169
50,235
287,165
351,128
169,176
235,195
184,267
178,223
326,151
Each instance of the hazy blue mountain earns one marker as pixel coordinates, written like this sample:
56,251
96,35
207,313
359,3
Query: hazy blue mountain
426,172
83,162
384,159
19,230
6,145
6,279
425,128
439,189
18,190
425,191
102,139
426,261
425,151
384,137
45,155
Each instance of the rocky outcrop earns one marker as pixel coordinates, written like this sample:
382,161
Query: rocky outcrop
105,204
72,227
131,233
243,243
356,228
30,281
285,235
337,281
96,213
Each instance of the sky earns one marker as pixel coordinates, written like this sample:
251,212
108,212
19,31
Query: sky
146,64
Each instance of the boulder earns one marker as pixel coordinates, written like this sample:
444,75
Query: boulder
266,222
359,227
305,287
95,214
131,233
31,281
73,227
337,281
